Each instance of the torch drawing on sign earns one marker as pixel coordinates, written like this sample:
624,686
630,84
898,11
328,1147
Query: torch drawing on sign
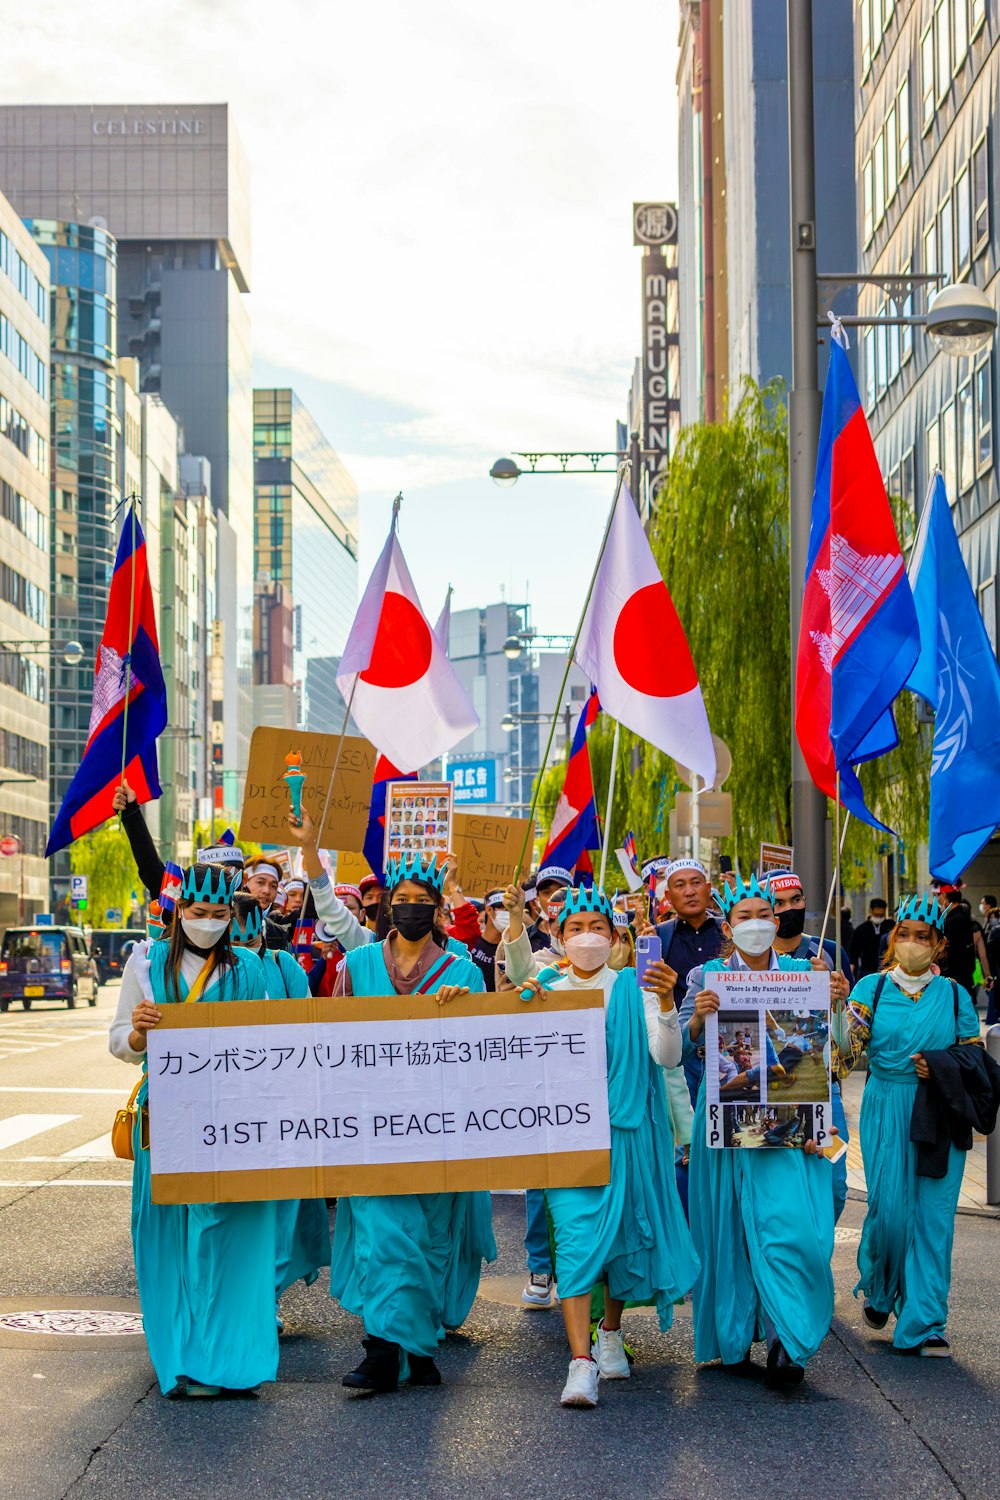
295,777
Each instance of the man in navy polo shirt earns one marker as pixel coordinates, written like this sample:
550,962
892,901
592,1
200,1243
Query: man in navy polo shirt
692,936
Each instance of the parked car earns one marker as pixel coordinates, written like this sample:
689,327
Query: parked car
46,963
110,948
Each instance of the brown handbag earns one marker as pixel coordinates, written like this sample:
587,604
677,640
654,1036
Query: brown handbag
123,1127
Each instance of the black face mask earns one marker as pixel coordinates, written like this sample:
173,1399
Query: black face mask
371,912
413,920
791,922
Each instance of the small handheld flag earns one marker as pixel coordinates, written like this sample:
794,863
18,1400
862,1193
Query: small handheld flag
574,827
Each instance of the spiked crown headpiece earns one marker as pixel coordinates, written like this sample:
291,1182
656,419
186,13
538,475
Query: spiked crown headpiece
213,883
250,929
586,898
415,866
730,895
921,909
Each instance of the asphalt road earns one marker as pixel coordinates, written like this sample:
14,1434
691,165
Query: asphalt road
81,1416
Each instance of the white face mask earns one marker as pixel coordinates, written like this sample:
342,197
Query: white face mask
500,918
204,932
588,951
754,937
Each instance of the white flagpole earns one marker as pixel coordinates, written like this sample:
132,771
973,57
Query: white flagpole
611,797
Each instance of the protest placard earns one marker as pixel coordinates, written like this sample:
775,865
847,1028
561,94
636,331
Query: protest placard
767,1058
351,868
487,850
266,798
775,857
276,1099
418,817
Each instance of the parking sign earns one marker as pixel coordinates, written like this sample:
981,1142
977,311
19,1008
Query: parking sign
78,887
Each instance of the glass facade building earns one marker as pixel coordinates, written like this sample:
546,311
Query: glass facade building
305,537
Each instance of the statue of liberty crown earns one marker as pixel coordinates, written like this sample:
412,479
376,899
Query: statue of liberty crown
731,894
250,928
415,866
215,883
586,898
921,909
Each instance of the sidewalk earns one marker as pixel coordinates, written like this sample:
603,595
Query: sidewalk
973,1195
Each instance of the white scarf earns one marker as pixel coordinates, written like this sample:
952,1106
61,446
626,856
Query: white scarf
911,984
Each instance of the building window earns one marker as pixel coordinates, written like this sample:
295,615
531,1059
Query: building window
908,497
966,438
942,34
881,360
876,25
878,159
866,37
984,416
891,156
906,331
927,79
903,122
949,451
930,256
869,369
978,16
867,203
946,242
892,341
980,197
960,33
963,223
988,609
933,448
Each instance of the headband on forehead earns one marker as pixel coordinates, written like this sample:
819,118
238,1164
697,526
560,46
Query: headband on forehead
530,894
654,866
222,854
620,919
553,872
496,899
783,880
347,890
263,867
676,865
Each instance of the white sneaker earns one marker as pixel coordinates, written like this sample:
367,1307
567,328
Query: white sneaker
540,1290
609,1353
581,1384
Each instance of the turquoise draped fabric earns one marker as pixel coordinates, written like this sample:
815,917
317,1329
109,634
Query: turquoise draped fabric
303,1225
904,1258
631,1233
409,1264
205,1270
762,1223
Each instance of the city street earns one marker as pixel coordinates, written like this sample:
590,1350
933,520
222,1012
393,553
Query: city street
82,1417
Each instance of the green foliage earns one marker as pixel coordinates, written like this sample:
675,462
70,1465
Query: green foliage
105,858
897,789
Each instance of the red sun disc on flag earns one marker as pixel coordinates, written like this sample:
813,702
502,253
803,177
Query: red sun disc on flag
651,650
403,645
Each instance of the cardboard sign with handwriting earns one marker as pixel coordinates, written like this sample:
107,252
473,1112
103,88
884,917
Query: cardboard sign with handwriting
265,798
487,850
351,868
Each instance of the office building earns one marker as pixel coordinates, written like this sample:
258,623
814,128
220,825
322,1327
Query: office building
25,586
196,483
306,539
925,164
84,491
733,201
171,184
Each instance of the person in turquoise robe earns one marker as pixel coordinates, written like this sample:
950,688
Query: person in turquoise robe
904,1259
409,1264
205,1270
303,1225
762,1220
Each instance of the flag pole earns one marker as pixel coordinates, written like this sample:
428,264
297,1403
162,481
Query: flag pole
623,468
128,654
840,836
611,797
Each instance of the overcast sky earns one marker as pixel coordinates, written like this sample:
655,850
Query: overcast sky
442,259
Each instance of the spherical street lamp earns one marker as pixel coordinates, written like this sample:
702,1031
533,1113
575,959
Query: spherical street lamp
508,723
72,653
961,320
505,473
512,647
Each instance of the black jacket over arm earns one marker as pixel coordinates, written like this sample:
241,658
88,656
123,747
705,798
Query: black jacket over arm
148,862
961,1095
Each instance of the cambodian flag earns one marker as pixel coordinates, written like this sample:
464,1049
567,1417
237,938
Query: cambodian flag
129,653
574,828
170,885
859,638
374,849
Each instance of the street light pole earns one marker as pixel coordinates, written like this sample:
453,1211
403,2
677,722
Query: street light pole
808,802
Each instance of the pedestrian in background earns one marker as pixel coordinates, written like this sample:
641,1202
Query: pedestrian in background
866,941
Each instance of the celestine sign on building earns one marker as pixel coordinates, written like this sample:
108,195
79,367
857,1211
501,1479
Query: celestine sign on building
126,126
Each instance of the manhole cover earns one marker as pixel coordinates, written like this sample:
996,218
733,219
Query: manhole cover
73,1322
844,1235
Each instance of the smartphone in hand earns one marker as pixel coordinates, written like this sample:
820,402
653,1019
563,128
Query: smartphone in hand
648,950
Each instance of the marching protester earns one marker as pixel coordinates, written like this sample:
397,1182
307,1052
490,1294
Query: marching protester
866,942
261,877
908,1018
206,1272
408,1264
630,1236
762,1221
370,887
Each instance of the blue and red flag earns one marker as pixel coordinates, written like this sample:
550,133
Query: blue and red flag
574,828
859,638
170,885
122,657
374,847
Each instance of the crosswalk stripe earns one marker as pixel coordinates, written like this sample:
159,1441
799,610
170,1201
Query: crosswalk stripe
99,1149
20,1128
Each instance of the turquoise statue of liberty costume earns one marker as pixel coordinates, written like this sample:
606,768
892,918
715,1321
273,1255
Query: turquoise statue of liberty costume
409,1264
631,1233
205,1270
762,1222
904,1259
302,1225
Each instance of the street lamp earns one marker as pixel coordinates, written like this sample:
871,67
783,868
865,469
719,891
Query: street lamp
961,320
72,652
15,838
515,645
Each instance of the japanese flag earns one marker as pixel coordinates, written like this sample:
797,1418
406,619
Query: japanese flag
633,648
407,698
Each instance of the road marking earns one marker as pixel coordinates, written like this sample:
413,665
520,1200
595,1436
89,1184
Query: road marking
87,1182
35,1088
99,1149
22,1127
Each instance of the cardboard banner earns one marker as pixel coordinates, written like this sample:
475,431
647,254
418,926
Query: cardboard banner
767,1059
266,800
351,868
277,1099
487,850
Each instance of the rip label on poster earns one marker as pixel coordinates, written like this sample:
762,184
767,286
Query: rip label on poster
767,1059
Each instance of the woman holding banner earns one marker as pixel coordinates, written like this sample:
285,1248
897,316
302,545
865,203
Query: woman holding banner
409,1264
206,1270
303,1225
762,1220
631,1235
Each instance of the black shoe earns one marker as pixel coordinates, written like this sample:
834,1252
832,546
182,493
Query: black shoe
781,1370
423,1370
935,1348
873,1318
378,1371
